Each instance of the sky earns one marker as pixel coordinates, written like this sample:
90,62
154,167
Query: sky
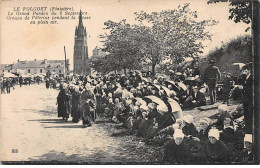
24,41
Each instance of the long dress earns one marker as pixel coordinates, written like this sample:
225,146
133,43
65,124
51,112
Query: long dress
64,106
87,107
75,112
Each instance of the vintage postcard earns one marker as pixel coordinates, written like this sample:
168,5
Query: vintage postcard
129,82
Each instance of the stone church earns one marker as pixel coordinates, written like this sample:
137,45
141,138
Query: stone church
80,57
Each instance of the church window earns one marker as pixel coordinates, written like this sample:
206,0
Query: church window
40,70
29,71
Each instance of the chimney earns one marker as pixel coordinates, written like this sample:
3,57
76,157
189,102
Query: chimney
45,61
18,60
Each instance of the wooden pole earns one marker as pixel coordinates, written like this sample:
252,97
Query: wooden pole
65,72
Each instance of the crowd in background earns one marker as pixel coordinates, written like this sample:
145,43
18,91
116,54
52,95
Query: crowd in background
151,108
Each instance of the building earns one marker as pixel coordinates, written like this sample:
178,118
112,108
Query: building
80,57
36,67
5,68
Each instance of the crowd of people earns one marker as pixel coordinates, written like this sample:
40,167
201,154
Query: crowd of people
152,110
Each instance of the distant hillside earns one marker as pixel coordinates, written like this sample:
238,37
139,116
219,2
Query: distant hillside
238,50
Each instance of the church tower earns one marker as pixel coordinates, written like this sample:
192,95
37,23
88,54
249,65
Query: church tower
80,56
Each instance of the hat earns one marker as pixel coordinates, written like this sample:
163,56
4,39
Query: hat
214,133
178,134
188,119
247,66
248,138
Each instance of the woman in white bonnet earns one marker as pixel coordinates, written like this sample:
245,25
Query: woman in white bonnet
189,128
216,150
247,152
204,128
176,149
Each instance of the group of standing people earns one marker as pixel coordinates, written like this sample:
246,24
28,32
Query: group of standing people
79,102
6,84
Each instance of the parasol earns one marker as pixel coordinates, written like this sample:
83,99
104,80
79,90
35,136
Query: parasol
182,86
174,86
178,73
167,91
176,108
118,93
140,100
240,65
192,81
161,106
126,94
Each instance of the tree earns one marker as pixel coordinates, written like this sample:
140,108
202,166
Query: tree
122,46
240,10
174,32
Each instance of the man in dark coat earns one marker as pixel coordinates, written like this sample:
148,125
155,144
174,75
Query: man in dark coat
63,101
248,98
20,81
211,76
75,112
47,83
87,106
8,85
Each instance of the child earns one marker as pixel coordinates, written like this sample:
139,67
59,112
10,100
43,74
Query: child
204,128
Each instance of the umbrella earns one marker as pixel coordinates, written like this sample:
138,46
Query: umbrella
192,81
157,87
118,93
174,105
174,86
178,73
167,91
182,86
140,100
127,94
240,65
176,109
161,106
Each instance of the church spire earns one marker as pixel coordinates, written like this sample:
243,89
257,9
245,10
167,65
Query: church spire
80,19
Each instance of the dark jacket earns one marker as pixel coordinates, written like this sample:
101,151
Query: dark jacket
211,73
200,98
190,129
176,154
217,153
